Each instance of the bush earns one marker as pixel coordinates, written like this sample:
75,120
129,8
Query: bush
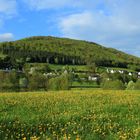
113,85
37,81
23,83
9,81
54,83
64,82
130,85
137,85
59,83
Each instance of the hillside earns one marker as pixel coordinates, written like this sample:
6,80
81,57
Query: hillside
63,51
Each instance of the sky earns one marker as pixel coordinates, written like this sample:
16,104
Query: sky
111,23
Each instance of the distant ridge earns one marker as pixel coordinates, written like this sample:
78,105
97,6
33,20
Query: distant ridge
67,51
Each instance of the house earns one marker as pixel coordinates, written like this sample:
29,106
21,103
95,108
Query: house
93,77
121,71
130,74
50,74
138,75
112,71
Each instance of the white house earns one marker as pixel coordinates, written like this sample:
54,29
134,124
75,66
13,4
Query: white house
121,71
112,71
93,78
138,75
130,74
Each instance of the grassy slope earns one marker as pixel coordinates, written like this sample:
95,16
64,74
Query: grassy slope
72,47
58,67
76,67
78,47
77,114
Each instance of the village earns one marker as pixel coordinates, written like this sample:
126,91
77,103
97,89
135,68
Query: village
91,76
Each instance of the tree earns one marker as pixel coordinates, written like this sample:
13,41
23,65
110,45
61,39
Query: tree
53,84
9,81
92,68
23,83
65,81
62,82
130,85
104,77
113,85
137,85
37,81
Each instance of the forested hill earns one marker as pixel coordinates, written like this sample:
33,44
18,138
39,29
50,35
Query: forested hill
64,51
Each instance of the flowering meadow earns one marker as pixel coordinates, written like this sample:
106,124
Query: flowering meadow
70,115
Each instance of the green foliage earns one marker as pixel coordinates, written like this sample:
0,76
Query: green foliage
43,69
137,85
125,78
134,77
92,68
130,85
37,81
9,81
104,77
64,51
134,67
61,82
37,67
113,85
23,82
54,84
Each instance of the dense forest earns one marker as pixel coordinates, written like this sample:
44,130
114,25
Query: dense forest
55,50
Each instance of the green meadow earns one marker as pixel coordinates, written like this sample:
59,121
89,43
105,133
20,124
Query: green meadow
70,115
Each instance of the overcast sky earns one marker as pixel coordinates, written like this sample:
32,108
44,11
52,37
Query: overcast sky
112,23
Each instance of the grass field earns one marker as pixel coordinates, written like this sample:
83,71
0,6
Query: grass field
76,67
70,115
58,67
81,85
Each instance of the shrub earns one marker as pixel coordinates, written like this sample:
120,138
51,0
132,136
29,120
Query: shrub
9,81
54,83
113,85
64,82
37,81
23,82
59,83
137,85
130,85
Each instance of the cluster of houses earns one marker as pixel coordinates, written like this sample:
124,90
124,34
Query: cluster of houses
8,70
111,71
95,77
92,77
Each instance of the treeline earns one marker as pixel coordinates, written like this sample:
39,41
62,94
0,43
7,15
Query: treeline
14,56
36,81
14,81
117,81
119,85
63,51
